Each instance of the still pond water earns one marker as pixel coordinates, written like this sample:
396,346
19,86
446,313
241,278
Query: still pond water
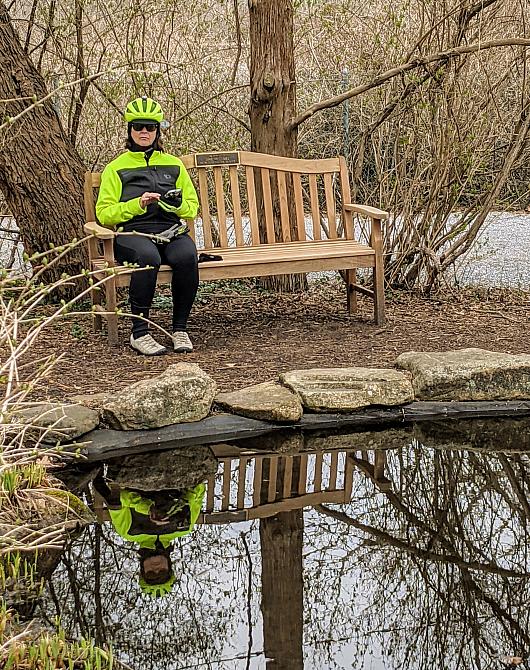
406,548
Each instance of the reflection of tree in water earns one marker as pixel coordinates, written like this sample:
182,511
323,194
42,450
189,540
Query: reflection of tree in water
434,571
425,568
97,593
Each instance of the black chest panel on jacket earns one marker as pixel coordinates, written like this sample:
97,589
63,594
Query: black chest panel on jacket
141,524
151,179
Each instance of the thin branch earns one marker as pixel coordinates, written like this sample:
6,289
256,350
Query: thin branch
423,61
239,47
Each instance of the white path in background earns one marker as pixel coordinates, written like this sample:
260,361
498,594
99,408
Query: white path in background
501,256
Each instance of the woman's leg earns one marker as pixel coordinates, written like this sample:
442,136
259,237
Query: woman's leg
143,252
181,254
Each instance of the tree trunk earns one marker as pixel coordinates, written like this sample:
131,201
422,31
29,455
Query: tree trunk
41,173
282,590
273,98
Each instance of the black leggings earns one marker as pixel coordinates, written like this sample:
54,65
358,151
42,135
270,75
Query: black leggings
180,254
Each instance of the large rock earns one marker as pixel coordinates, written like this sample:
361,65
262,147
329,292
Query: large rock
346,389
468,374
179,469
181,394
58,422
268,401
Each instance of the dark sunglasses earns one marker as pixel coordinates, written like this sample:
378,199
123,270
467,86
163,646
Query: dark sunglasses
150,127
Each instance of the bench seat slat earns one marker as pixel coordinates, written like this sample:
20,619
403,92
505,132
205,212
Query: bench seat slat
269,260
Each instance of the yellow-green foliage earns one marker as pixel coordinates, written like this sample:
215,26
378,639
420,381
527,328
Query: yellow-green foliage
17,477
49,651
22,647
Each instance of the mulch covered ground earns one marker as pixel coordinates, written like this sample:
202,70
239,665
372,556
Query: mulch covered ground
244,335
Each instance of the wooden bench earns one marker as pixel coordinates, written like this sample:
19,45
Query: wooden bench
265,215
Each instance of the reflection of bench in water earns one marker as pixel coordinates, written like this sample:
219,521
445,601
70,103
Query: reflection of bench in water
254,485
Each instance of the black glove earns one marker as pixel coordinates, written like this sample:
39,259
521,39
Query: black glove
206,258
173,198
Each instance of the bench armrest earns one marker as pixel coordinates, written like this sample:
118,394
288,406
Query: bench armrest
372,212
93,228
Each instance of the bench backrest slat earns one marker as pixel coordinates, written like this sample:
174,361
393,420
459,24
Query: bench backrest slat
205,208
347,217
236,202
252,205
284,207
299,206
221,209
289,164
315,209
248,199
88,194
330,206
267,204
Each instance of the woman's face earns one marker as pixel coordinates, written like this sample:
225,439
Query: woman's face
143,134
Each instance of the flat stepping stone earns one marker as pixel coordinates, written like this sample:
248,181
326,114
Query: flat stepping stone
59,422
467,374
268,401
346,389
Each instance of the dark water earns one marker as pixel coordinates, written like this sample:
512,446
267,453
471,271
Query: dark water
406,548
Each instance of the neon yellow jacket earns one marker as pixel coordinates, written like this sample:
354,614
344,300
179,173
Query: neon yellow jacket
131,503
133,173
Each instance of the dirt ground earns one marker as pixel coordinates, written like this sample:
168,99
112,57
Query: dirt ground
243,335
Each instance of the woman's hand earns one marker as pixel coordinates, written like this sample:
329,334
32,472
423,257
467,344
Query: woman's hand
148,198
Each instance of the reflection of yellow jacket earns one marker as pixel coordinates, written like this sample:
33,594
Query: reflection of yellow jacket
133,173
134,507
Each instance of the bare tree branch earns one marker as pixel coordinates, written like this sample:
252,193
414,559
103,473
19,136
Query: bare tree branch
239,47
441,56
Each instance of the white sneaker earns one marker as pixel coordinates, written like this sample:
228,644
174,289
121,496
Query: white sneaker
147,346
182,343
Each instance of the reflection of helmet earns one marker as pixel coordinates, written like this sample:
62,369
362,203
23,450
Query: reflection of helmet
143,109
157,590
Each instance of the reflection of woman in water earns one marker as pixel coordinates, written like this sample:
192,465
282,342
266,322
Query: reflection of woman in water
152,519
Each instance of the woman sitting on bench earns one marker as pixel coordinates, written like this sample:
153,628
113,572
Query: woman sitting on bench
148,191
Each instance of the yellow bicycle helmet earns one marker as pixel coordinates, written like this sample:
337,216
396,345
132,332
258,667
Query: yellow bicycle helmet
144,109
157,590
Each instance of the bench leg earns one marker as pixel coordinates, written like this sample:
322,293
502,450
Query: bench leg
379,293
379,273
351,293
112,318
97,321
112,329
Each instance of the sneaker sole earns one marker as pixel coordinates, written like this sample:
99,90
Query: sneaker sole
163,352
183,350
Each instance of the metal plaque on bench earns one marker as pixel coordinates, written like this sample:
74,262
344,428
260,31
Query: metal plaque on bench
217,158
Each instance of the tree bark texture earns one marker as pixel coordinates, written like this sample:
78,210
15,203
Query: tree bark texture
41,173
273,101
282,590
272,77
